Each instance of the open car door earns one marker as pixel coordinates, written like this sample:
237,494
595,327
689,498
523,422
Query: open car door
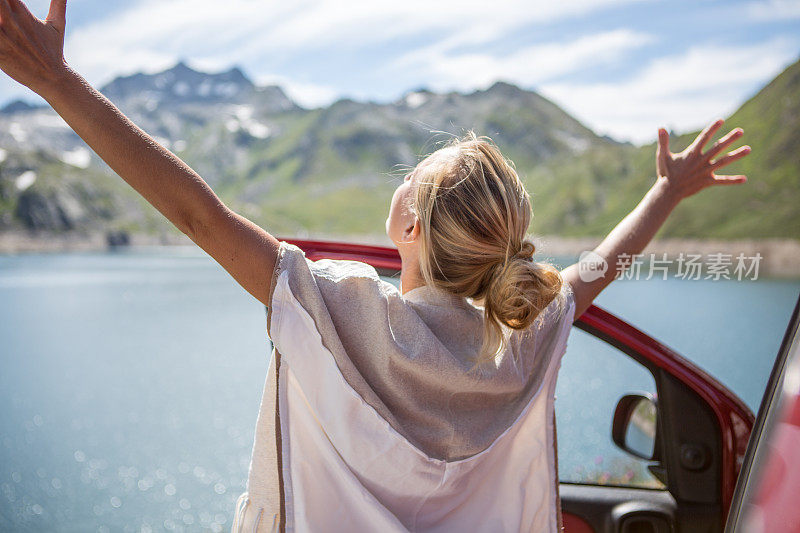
768,490
689,432
679,445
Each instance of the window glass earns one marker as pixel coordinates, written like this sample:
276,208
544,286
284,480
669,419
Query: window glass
593,377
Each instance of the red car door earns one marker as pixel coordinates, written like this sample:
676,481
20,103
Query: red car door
768,489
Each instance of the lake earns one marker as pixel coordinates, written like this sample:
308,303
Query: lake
130,382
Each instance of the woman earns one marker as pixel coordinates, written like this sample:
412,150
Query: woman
424,408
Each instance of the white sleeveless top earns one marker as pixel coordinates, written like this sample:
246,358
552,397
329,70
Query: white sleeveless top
374,419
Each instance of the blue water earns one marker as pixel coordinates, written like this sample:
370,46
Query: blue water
130,382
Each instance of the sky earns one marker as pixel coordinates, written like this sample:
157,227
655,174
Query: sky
622,67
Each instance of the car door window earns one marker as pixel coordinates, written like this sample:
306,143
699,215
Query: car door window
593,377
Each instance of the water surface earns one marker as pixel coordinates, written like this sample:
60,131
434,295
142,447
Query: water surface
130,382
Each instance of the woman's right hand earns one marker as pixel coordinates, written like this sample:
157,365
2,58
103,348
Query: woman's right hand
32,50
693,170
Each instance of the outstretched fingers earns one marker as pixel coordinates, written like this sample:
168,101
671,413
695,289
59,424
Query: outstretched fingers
723,143
705,136
31,50
730,157
57,16
5,43
9,23
729,180
662,152
23,18
6,16
19,7
16,16
663,141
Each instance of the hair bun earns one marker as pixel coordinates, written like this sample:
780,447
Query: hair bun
521,289
526,251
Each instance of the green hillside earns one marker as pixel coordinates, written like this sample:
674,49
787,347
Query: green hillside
333,170
768,205
586,196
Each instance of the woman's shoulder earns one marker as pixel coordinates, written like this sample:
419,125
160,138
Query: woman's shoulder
327,290
292,258
343,277
560,309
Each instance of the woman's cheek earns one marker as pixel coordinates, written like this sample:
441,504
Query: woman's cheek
392,215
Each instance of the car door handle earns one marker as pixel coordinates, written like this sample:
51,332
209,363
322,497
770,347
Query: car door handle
641,517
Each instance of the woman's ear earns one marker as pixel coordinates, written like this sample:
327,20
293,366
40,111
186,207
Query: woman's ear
411,233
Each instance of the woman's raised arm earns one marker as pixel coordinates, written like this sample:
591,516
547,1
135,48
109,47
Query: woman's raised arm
31,52
679,176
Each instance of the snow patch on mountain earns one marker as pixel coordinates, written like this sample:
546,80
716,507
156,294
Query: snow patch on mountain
25,180
18,132
243,120
414,100
79,157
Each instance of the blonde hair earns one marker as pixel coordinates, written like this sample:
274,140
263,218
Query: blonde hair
474,214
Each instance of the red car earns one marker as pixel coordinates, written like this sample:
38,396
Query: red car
691,432
767,496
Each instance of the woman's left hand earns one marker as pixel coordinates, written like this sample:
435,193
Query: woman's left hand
691,171
679,176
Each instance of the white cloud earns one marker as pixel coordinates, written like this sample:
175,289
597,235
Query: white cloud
683,92
152,33
531,65
774,10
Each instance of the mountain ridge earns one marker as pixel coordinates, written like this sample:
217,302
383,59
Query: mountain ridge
333,168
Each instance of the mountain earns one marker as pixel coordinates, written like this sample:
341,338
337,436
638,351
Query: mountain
332,170
180,85
17,106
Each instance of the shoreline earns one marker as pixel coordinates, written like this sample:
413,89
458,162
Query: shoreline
780,257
